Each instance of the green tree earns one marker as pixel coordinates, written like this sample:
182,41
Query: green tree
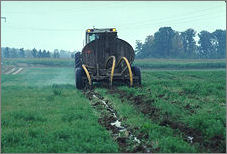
177,49
14,53
44,54
48,54
189,43
39,54
220,36
145,50
34,53
6,52
163,41
138,47
56,53
147,47
207,44
21,53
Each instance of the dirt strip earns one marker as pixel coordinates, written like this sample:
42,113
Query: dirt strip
10,71
6,69
190,135
110,120
18,71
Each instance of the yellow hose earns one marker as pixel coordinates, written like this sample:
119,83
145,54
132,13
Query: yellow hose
87,73
129,69
112,69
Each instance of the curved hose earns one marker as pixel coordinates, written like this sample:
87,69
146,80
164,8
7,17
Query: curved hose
112,69
87,74
129,69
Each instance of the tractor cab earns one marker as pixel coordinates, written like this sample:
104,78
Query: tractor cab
101,34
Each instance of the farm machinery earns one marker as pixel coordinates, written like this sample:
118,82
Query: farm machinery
105,57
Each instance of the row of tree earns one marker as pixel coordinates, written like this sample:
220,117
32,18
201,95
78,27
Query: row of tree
40,53
34,53
168,43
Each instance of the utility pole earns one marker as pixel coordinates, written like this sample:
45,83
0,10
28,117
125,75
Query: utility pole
3,18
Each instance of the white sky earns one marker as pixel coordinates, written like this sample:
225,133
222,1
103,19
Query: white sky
61,25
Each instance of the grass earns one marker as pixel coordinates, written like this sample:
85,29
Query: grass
64,62
43,112
144,63
161,138
194,98
180,63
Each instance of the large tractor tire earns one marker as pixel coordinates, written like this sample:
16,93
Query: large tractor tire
79,73
78,62
136,72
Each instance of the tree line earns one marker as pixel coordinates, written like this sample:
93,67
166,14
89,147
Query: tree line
165,43
7,52
168,43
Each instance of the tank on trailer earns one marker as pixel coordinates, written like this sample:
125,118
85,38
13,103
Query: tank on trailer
105,57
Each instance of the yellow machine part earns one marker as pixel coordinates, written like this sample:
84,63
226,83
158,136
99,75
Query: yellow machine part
87,74
129,69
112,69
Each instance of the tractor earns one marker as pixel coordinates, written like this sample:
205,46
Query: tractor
105,57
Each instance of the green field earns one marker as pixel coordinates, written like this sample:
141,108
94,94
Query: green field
177,110
181,63
43,112
142,63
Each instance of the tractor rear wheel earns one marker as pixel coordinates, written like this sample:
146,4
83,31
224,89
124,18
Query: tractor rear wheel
78,62
136,72
79,73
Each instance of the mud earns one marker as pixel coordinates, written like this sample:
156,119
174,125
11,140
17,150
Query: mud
215,143
109,119
191,109
190,135
143,104
106,122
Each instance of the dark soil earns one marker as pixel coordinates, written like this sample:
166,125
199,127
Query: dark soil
144,105
126,143
216,142
106,122
189,108
196,134
141,101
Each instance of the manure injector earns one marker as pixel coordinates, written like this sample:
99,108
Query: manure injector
105,57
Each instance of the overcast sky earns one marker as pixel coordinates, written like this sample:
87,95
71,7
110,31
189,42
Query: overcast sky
61,25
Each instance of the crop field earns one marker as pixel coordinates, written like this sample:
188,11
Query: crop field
180,107
144,63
